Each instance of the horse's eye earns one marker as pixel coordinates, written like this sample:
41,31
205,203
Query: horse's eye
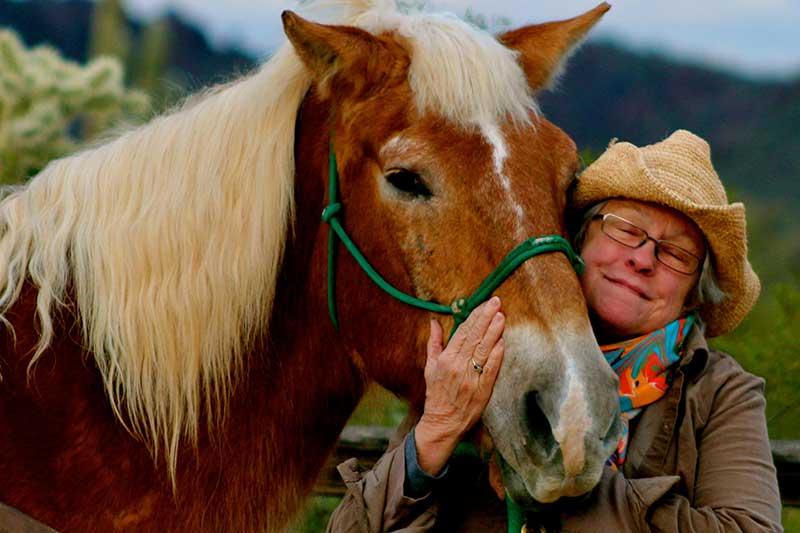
409,183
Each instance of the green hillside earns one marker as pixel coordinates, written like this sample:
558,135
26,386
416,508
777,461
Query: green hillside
608,92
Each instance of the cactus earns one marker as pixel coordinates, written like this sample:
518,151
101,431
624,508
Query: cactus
148,66
45,98
109,34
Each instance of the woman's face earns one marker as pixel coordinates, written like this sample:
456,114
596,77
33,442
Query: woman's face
628,291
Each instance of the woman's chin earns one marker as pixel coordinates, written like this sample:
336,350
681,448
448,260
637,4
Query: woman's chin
615,326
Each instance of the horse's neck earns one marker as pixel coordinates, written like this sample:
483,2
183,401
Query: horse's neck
302,387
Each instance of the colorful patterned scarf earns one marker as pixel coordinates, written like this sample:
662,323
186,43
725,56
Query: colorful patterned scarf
645,367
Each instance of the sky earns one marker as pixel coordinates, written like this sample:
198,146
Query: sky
759,38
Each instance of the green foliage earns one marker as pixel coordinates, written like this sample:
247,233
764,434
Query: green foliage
587,156
144,57
148,65
44,98
768,341
767,344
109,34
316,515
791,519
379,407
772,228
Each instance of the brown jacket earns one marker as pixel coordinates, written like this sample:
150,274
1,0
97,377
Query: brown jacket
698,460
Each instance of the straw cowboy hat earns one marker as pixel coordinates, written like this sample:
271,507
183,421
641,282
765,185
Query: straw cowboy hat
677,172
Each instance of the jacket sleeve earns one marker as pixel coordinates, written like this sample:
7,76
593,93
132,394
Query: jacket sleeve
735,483
375,501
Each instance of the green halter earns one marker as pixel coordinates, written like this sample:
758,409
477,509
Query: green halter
461,307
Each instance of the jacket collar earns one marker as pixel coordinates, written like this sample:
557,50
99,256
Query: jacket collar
654,430
696,359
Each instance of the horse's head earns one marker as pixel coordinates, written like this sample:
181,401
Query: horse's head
445,167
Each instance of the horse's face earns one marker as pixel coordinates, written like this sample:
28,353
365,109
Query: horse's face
435,203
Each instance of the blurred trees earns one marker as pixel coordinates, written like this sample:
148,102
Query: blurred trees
49,105
144,56
148,67
46,101
767,343
109,31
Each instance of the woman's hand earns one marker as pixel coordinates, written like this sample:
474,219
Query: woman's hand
459,381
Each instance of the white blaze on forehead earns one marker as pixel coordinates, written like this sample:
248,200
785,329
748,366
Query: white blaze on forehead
392,144
494,137
400,146
573,423
491,132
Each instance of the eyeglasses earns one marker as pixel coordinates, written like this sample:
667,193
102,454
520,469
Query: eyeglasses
629,234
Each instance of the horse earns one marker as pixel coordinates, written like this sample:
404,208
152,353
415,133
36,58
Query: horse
168,360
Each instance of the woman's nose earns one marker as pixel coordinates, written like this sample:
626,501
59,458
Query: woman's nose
643,258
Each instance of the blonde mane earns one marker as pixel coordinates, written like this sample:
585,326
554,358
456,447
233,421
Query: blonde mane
170,237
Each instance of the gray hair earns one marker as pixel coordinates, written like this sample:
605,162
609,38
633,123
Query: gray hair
705,291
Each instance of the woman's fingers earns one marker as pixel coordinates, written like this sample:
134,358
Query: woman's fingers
484,315
492,366
493,334
435,345
470,333
459,379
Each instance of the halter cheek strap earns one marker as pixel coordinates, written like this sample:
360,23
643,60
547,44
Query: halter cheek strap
461,307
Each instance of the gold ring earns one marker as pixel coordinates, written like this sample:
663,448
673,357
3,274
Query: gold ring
478,368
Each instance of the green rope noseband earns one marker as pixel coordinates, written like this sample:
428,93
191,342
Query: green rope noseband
461,307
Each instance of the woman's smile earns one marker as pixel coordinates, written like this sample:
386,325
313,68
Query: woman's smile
628,290
621,282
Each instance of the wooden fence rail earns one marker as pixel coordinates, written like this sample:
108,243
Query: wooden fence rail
369,442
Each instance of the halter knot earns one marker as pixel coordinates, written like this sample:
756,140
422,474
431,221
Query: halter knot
330,211
460,310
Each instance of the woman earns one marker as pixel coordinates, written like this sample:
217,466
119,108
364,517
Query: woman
666,267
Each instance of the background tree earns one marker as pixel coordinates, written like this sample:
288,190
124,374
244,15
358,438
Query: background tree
148,67
109,32
44,99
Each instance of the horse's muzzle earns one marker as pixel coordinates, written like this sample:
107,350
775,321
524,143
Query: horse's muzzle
553,416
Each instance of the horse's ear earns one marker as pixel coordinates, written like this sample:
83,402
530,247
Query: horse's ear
544,48
329,50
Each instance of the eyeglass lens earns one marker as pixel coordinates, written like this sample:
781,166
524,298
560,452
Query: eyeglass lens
633,236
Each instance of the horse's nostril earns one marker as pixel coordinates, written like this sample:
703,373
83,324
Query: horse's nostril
538,424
